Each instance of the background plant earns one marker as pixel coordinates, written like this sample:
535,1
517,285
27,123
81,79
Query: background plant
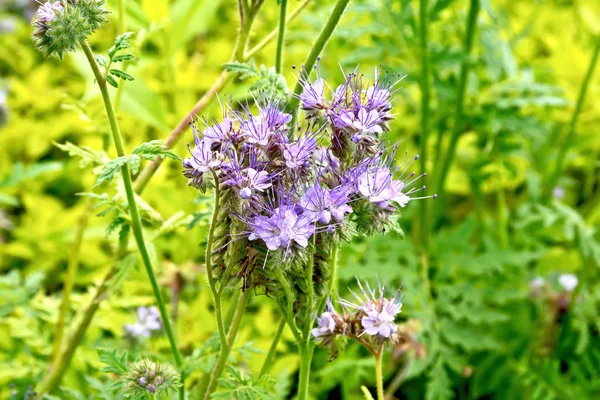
473,325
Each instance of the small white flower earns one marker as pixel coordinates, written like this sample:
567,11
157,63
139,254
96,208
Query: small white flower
537,283
568,281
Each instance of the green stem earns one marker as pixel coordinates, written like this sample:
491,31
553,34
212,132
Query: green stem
379,373
424,83
208,262
63,359
273,349
562,152
281,36
225,351
72,266
136,223
310,266
306,353
319,44
460,101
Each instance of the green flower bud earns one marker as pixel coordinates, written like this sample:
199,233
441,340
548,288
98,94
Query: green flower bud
146,377
60,26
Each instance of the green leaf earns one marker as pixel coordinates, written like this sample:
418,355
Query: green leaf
101,60
111,169
190,18
121,74
366,393
124,266
244,70
439,386
123,57
88,155
116,363
121,42
21,173
112,81
154,148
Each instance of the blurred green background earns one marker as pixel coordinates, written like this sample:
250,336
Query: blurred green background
477,321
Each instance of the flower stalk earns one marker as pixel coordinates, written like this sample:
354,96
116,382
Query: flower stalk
379,373
273,349
134,213
425,92
280,36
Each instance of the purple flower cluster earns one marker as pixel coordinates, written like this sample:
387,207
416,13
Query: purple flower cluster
295,180
148,321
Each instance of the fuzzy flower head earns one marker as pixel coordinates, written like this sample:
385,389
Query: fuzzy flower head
61,26
149,379
568,281
148,321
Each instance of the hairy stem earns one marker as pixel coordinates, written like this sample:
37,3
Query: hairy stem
326,32
460,101
208,262
136,223
273,349
562,152
225,351
332,278
281,36
379,373
306,353
424,83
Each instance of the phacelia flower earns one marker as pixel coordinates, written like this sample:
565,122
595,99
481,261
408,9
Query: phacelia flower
568,281
326,322
147,378
312,97
377,185
61,26
298,154
378,312
148,321
284,228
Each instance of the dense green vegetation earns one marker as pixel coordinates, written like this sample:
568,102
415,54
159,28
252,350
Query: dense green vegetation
499,100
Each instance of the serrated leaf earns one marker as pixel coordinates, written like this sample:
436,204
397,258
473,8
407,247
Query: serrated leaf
439,386
154,148
111,169
121,42
116,363
120,74
101,60
88,155
112,81
123,57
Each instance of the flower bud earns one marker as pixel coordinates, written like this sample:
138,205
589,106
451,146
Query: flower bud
148,377
60,26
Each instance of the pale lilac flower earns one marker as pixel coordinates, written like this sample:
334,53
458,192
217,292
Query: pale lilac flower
377,185
257,131
313,95
558,193
282,229
47,11
254,180
274,118
221,132
568,281
297,154
325,322
203,159
148,320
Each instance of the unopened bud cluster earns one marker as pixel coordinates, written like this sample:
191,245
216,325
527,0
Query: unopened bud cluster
146,377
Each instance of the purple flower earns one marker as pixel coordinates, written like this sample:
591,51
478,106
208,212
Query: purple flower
377,185
202,160
282,229
378,98
322,204
47,12
312,97
325,322
380,311
297,154
254,180
148,320
221,132
257,131
274,118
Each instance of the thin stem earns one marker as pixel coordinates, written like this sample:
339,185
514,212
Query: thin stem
225,351
281,36
379,373
273,349
267,39
72,267
562,152
136,223
208,262
63,359
310,266
398,380
326,32
424,83
460,101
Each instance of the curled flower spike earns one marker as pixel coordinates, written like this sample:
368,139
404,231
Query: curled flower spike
146,377
61,26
